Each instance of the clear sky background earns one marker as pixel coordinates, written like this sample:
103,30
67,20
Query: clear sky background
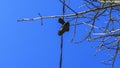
30,45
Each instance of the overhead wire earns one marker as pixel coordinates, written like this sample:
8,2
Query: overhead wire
61,43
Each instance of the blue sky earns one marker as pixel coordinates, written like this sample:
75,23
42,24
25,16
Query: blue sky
30,45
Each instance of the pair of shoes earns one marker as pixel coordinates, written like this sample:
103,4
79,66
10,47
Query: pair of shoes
64,28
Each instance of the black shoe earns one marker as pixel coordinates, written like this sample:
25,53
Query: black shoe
61,21
64,28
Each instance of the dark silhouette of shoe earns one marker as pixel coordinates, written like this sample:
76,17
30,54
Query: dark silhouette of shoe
61,21
64,28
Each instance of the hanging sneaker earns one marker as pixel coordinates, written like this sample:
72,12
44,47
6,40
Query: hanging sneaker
64,28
